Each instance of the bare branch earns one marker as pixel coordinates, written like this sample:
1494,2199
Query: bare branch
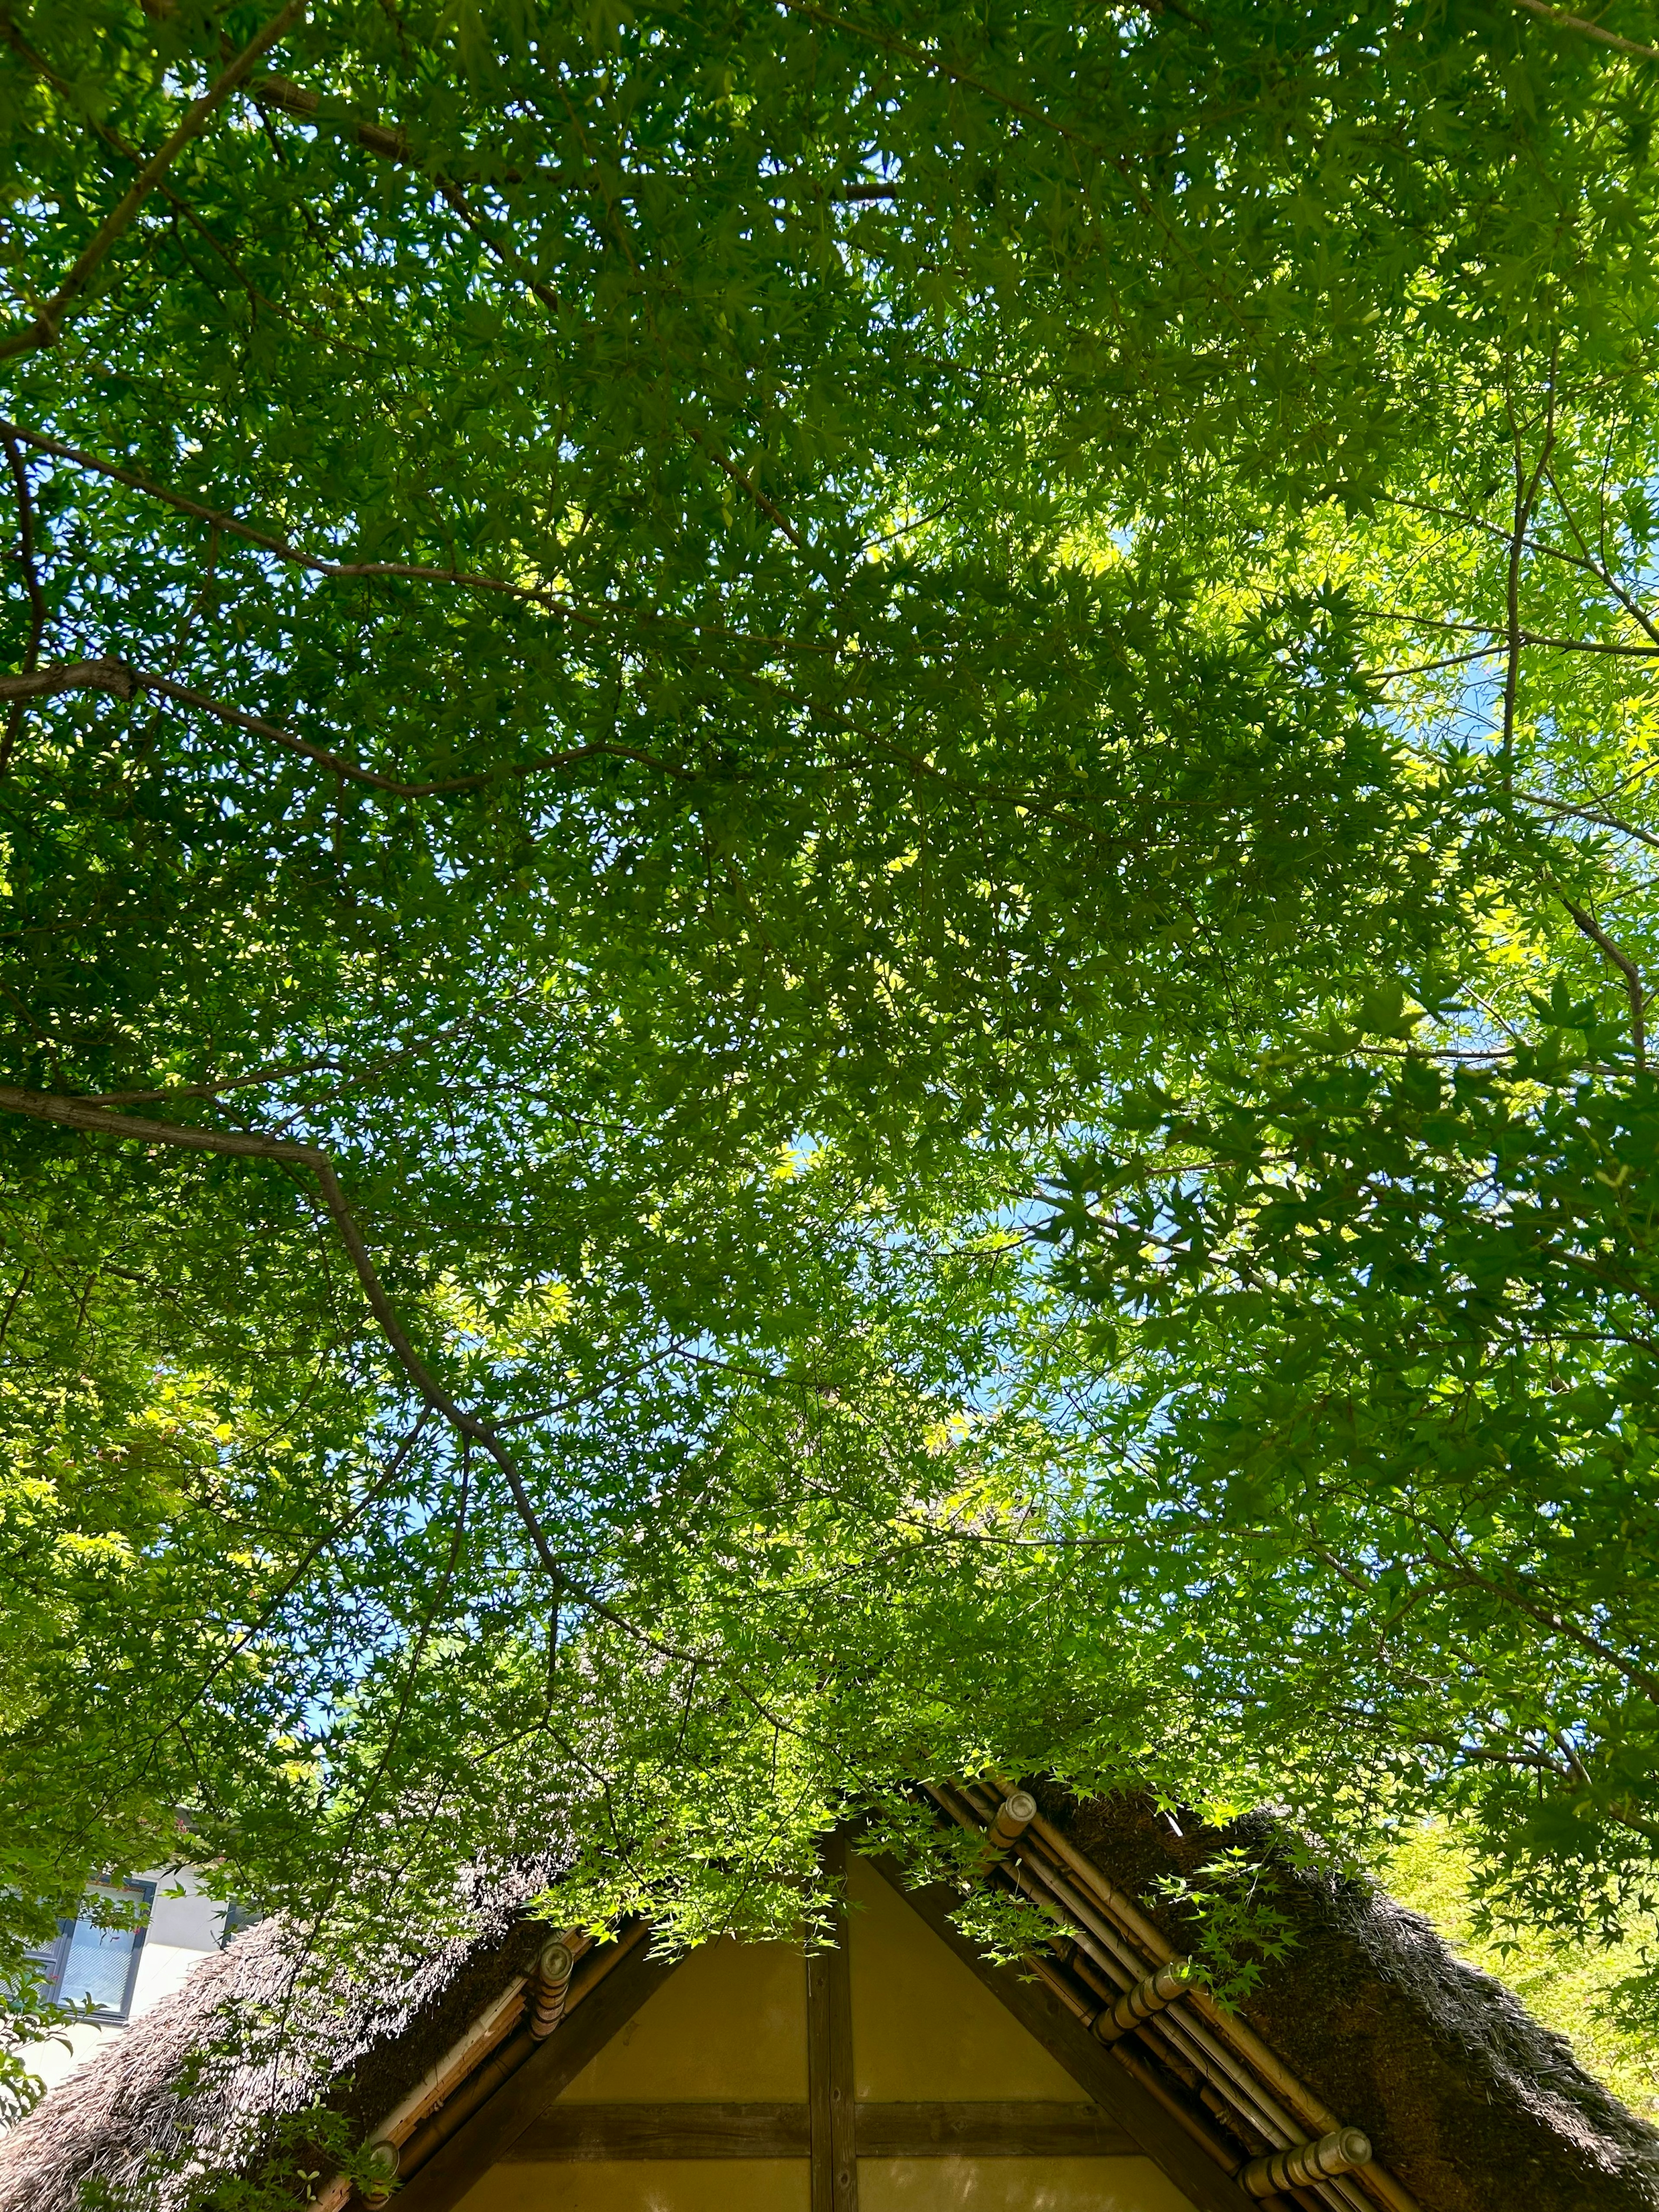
47,325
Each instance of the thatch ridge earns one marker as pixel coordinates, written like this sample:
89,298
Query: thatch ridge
1477,2106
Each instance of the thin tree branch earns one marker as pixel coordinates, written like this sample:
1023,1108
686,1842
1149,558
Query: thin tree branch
729,468
1431,667
124,682
1526,492
260,1075
1598,566
1563,21
286,1587
1626,967
283,548
72,1113
1588,814
1640,1677
47,326
1583,559
1498,630
20,477
936,64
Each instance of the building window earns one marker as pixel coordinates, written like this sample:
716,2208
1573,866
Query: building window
88,1962
237,1917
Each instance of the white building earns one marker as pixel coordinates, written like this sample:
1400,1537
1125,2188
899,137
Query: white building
125,1971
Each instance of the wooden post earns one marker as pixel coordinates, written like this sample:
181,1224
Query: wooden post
834,2149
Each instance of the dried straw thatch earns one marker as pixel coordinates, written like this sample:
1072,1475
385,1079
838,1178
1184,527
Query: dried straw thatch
195,2089
1471,2102
1464,2095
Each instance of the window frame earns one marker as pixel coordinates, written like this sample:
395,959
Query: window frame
53,1960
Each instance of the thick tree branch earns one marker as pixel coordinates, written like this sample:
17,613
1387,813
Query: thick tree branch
123,682
292,99
1563,21
111,675
47,325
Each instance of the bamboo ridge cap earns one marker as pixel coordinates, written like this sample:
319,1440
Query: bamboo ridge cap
1346,2150
1149,1995
477,2044
1239,2070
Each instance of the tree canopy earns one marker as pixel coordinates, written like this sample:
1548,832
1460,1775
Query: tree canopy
824,837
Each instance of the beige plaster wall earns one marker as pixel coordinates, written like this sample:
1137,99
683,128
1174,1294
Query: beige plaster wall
923,2027
1016,2184
712,2184
729,2026
923,2184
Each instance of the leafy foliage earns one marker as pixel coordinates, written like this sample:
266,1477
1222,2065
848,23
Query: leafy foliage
680,646
1571,1987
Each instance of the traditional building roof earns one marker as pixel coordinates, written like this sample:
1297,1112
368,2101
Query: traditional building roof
1368,2070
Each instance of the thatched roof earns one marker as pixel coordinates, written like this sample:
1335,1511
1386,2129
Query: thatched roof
1473,2105
196,2087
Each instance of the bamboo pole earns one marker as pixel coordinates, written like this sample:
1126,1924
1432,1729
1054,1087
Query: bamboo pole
1013,1816
1190,2040
480,2086
382,2164
1149,1995
1375,2182
492,2026
1343,2151
554,1968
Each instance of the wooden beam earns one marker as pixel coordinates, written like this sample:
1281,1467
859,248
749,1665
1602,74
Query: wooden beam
830,2093
1012,2130
630,2131
1009,2130
1094,2068
495,2127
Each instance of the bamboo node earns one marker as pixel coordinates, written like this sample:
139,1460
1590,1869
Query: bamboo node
1013,1817
554,1968
381,2163
1306,2164
1150,1995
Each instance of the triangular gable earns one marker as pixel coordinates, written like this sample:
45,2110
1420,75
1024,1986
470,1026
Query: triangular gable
898,2070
